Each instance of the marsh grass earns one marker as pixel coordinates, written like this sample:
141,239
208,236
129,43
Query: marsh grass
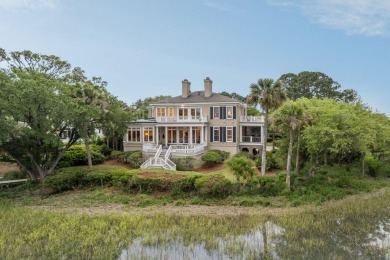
340,230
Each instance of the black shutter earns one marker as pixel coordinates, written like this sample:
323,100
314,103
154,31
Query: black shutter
234,134
211,113
234,112
211,134
223,134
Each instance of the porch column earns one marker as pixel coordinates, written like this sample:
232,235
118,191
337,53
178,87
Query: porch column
166,136
202,134
190,135
156,140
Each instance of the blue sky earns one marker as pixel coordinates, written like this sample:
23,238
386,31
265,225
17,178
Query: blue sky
146,48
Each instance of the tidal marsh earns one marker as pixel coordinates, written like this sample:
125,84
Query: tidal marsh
356,228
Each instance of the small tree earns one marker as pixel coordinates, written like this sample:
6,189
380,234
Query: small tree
242,167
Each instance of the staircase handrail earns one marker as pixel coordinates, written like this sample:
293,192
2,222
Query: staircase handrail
159,150
168,153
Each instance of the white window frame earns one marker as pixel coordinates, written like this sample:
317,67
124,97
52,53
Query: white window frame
227,114
219,112
159,111
150,138
227,129
171,109
217,128
130,132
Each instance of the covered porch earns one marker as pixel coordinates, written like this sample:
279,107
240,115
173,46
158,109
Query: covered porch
181,135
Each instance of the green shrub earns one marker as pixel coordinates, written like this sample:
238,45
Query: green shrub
115,154
5,157
185,164
135,159
243,154
211,158
222,154
14,175
105,150
272,161
213,185
77,155
79,177
265,185
242,167
162,181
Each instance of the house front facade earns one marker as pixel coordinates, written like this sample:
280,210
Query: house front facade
194,122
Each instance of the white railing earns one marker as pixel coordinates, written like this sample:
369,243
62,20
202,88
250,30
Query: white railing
172,119
168,153
170,165
158,162
188,149
159,150
250,139
252,119
149,148
147,163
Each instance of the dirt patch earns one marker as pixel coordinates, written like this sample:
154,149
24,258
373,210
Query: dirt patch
189,210
204,168
116,163
7,167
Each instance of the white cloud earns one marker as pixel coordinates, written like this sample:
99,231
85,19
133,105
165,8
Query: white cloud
366,17
28,4
216,5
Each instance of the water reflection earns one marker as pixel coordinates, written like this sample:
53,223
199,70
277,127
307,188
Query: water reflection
269,241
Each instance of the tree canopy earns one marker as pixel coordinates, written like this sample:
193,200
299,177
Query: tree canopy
41,98
308,84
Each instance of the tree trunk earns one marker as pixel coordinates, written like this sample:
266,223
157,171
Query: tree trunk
264,150
362,163
30,173
86,142
289,155
297,155
273,139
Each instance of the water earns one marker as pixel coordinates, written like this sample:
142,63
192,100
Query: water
269,241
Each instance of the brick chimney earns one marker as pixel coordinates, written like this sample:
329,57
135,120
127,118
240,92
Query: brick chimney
208,87
186,88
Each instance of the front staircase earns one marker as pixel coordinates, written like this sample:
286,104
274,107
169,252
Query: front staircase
160,160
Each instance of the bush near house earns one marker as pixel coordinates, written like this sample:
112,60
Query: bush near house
185,164
215,185
215,156
76,155
135,159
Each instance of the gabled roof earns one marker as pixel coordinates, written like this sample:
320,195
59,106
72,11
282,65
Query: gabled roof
198,97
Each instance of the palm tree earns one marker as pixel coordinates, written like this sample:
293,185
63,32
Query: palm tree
290,116
269,95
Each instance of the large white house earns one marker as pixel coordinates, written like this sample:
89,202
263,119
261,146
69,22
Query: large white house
192,123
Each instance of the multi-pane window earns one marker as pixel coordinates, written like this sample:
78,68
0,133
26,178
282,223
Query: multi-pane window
170,111
216,113
148,134
134,134
216,134
229,134
229,112
161,111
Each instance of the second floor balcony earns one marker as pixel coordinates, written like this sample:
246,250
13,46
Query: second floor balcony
251,119
180,119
